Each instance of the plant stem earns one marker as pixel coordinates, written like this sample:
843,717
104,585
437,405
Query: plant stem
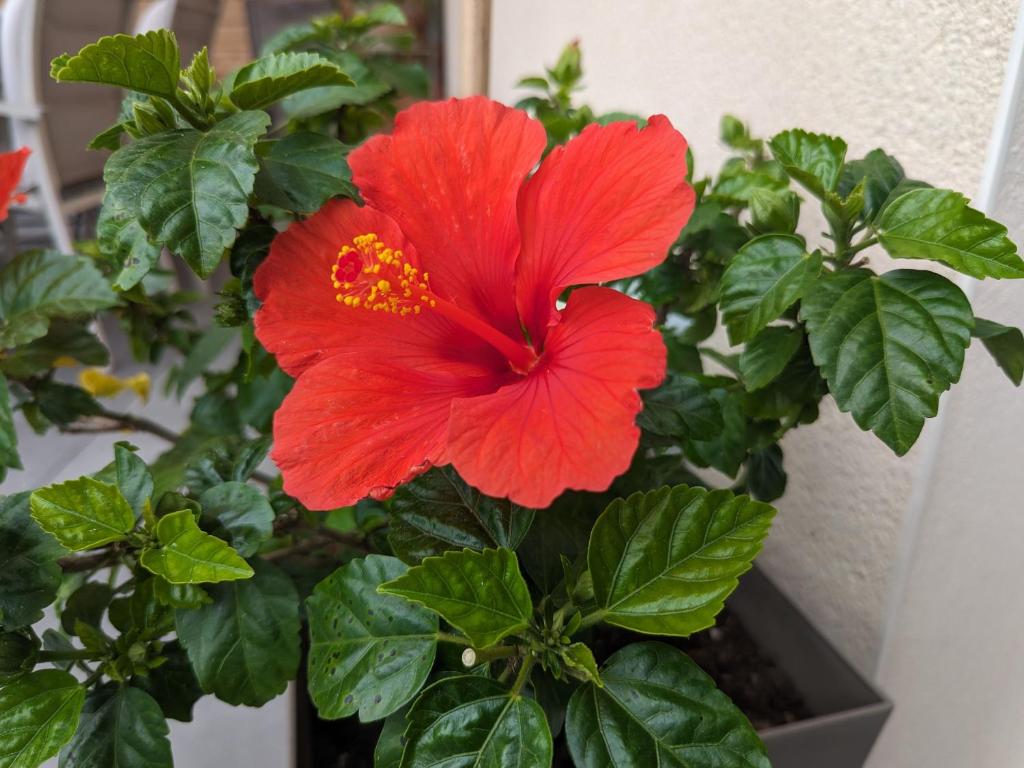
448,637
523,676
79,563
592,618
865,243
75,655
487,655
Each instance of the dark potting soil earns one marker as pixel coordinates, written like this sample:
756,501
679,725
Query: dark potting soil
726,652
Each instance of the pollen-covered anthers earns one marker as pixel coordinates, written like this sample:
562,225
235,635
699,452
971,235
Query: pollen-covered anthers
371,276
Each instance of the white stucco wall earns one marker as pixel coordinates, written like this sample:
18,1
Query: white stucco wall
920,78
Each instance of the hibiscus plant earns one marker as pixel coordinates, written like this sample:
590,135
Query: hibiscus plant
490,393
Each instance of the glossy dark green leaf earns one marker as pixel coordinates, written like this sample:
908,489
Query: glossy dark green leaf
119,232
190,189
763,280
303,171
658,708
562,530
87,603
64,404
270,78
888,346
82,513
728,448
38,286
64,339
766,355
244,646
30,575
1005,344
173,684
938,224
813,159
664,562
439,511
38,715
766,479
682,408
879,172
243,511
120,725
482,594
474,721
369,653
148,63
391,742
133,477
188,555
9,458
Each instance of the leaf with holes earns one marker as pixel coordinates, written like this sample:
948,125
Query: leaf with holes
474,721
439,511
120,725
148,63
38,714
657,707
272,77
888,346
813,159
244,646
764,279
188,555
938,224
82,513
663,562
369,653
482,594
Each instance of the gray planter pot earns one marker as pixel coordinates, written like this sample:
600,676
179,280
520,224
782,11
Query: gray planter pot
848,711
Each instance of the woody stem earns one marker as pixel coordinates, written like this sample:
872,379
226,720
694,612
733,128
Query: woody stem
521,357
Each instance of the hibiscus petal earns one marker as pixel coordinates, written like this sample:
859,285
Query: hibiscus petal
605,206
302,323
571,422
12,165
449,175
344,433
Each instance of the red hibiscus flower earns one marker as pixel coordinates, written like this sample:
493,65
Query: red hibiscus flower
423,328
12,165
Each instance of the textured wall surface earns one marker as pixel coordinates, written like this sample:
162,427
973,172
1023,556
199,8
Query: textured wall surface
920,78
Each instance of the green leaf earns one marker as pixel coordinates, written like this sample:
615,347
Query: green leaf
580,659
120,234
439,511
369,653
766,355
391,742
179,595
657,708
1005,344
173,684
9,458
367,87
65,338
86,604
766,479
763,280
813,159
120,725
38,714
190,189
888,346
133,477
474,721
663,562
303,171
63,404
774,211
482,594
938,224
242,511
38,286
879,172
148,63
82,513
244,646
268,79
682,408
728,448
30,575
188,555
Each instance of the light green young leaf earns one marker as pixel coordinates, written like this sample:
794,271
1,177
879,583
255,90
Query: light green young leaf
813,159
888,346
663,562
507,731
766,355
148,63
1005,344
938,224
764,279
40,285
120,725
188,555
244,646
270,78
580,659
30,575
38,714
657,707
83,513
369,653
482,594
